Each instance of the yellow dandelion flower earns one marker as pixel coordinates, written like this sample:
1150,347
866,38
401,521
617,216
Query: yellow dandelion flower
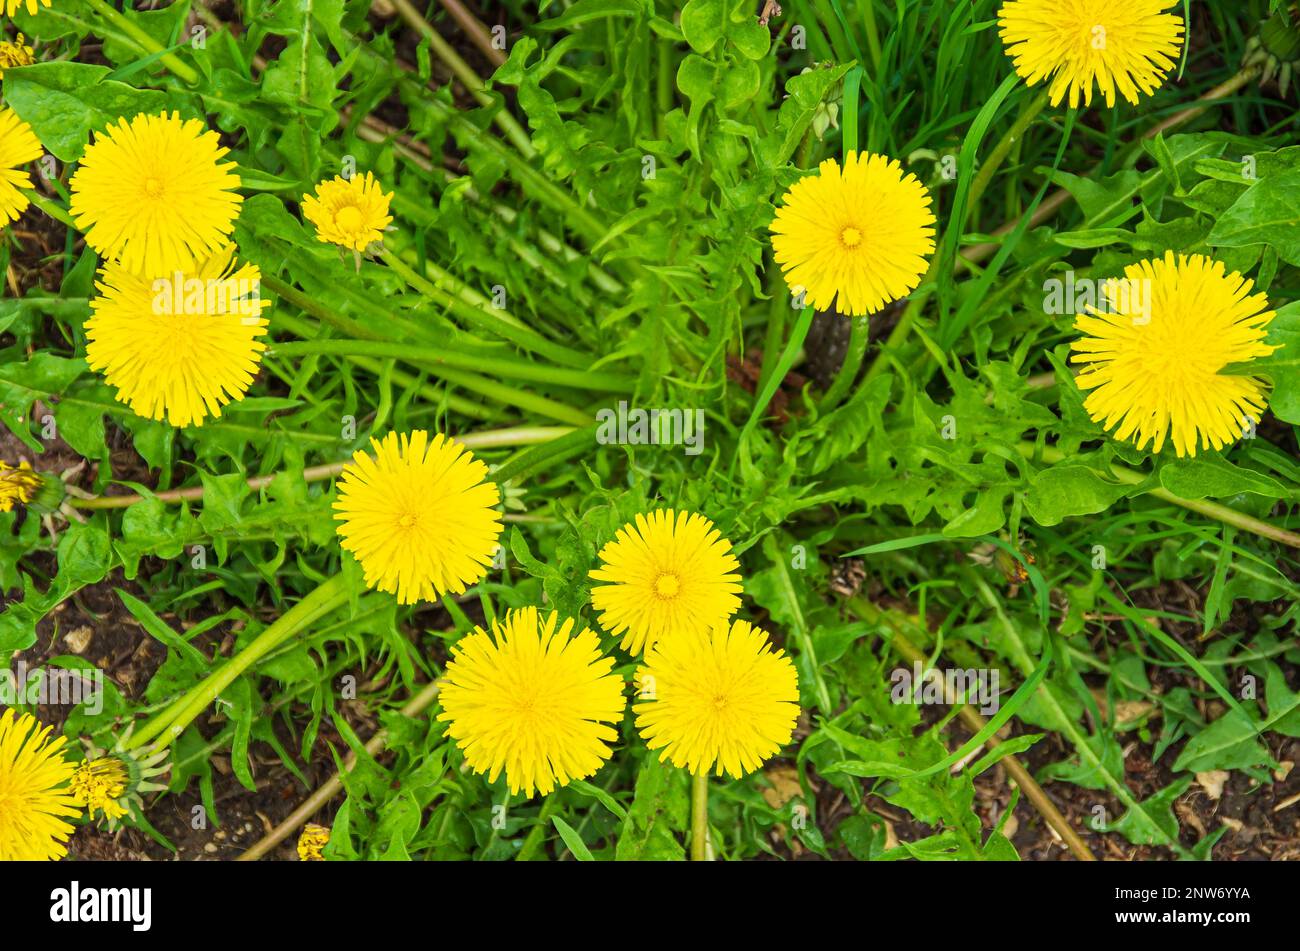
154,195
33,7
18,146
310,842
18,485
351,213
418,516
532,699
17,53
1155,352
668,572
1127,45
718,699
861,233
178,347
99,785
34,798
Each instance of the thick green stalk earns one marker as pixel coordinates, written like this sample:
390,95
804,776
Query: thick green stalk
171,722
432,360
537,834
460,300
700,817
146,42
428,391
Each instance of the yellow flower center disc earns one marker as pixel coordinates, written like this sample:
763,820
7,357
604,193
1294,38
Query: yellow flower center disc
851,237
153,188
667,586
348,219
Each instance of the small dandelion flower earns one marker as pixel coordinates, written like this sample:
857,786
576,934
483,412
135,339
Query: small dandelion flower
718,699
18,146
532,699
99,785
34,795
418,516
1129,45
17,53
854,238
180,347
312,839
18,485
351,213
154,195
1155,354
668,572
32,6
113,782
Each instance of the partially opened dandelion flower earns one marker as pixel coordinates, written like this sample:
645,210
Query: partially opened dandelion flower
667,572
154,195
16,53
313,838
34,795
18,484
532,700
854,238
178,347
350,212
1129,45
1155,352
99,785
720,699
418,516
18,146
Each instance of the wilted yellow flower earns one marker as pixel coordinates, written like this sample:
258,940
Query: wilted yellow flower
34,795
99,785
18,146
351,213
532,700
178,347
718,699
17,53
312,839
18,485
667,572
418,516
1156,351
854,238
1127,45
154,195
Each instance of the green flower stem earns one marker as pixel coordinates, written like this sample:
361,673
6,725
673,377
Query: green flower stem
146,42
859,337
1051,455
171,722
465,73
427,390
487,439
700,817
537,833
464,303
50,207
432,360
